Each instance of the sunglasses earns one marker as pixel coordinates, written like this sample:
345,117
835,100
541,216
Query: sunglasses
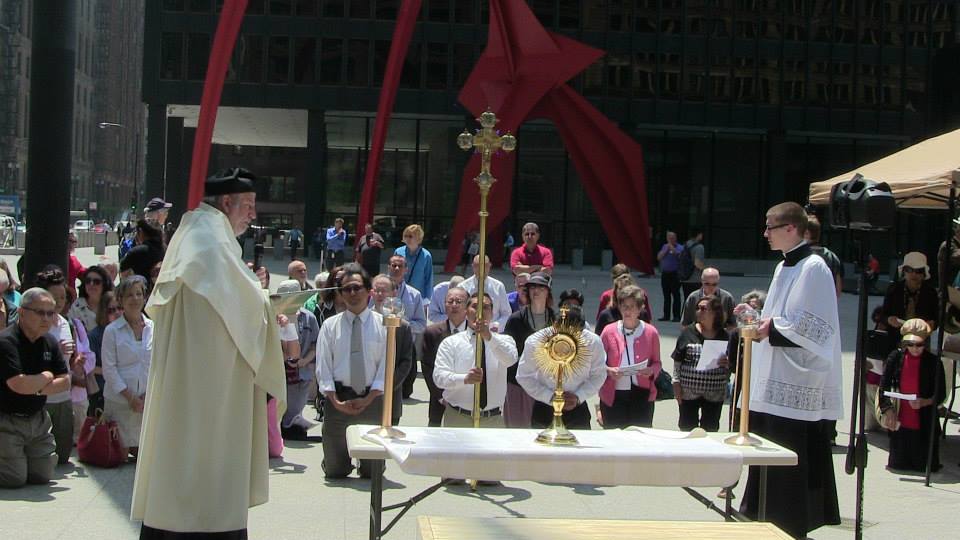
912,270
44,313
775,227
93,281
913,344
114,309
352,289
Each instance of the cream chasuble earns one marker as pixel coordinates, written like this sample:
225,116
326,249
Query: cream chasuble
203,448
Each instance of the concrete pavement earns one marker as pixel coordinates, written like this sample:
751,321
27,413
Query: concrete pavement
86,502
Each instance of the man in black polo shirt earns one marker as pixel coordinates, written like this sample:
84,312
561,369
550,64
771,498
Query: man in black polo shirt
31,368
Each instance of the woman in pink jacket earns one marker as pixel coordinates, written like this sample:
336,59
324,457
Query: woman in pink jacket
627,397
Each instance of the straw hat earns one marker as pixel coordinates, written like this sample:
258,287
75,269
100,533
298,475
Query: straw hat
915,330
915,259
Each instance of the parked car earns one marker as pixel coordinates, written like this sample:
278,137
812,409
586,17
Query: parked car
83,225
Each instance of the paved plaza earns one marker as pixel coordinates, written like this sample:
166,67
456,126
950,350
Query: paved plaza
86,502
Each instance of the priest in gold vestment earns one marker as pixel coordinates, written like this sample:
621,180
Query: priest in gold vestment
203,449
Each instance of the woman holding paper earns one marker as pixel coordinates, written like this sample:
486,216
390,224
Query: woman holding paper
911,371
628,395
701,369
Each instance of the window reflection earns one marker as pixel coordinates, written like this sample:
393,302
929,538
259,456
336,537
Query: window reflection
304,66
331,60
358,62
278,60
251,54
198,55
171,55
465,11
438,10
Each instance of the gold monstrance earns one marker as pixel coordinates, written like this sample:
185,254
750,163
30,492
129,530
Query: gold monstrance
747,321
486,141
561,349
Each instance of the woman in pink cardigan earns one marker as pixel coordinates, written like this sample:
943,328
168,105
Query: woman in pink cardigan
627,397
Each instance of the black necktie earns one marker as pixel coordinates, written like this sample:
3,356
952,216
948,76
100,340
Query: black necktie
483,381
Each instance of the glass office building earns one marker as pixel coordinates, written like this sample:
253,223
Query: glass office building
738,104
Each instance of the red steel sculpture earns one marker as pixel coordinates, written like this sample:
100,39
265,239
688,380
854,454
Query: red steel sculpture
223,41
521,75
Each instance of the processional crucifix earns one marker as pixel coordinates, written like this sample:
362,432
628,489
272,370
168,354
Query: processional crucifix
487,141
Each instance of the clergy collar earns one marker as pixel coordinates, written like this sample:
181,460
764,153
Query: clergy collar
797,253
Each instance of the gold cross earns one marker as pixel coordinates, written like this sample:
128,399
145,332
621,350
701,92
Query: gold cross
487,141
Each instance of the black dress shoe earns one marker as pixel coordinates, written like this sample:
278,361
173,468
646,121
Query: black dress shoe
294,433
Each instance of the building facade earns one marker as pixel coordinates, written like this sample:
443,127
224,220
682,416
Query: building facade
738,104
108,119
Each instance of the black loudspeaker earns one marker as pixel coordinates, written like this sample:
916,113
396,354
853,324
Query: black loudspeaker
862,204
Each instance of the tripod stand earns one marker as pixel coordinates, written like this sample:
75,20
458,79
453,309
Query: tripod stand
856,461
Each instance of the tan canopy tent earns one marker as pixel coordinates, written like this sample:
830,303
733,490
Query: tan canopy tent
919,175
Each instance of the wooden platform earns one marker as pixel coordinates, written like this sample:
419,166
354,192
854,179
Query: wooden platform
468,528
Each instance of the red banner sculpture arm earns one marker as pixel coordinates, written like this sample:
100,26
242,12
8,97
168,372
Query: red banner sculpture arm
231,17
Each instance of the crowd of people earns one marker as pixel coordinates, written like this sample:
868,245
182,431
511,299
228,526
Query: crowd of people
114,341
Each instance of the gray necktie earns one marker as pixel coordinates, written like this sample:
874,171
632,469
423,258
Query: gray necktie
358,368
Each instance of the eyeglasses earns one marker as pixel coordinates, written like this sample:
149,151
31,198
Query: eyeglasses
93,281
352,289
44,313
912,270
454,301
775,227
709,283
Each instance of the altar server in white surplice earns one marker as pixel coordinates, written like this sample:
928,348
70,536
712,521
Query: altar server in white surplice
796,380
216,356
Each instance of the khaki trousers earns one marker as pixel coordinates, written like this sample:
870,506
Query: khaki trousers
26,449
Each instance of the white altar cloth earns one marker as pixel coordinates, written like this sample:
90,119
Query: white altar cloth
646,457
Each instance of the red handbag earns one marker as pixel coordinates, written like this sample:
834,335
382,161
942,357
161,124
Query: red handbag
99,443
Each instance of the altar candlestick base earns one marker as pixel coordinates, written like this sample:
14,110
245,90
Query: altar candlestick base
387,432
743,440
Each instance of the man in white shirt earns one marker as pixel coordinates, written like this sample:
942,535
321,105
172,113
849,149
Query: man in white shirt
496,290
350,367
456,373
578,386
437,310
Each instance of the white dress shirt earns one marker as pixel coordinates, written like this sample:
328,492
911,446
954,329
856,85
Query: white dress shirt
61,332
455,357
584,384
126,361
333,350
498,293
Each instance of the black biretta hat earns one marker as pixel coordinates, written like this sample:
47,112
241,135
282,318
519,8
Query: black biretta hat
233,180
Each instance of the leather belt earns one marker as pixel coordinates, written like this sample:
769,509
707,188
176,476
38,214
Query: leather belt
483,414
